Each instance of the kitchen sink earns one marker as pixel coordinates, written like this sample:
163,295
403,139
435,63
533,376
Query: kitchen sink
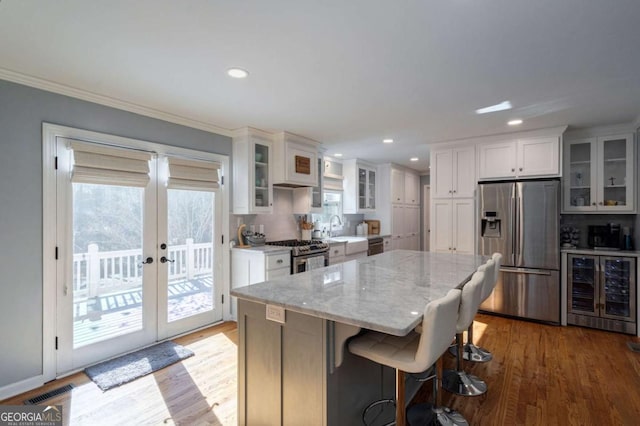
354,244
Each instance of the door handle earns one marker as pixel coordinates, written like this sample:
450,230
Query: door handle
163,259
148,261
526,271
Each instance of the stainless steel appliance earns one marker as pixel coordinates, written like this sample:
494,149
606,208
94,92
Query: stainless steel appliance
376,246
306,254
520,220
601,292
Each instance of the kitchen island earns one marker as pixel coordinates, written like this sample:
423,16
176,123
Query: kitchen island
293,365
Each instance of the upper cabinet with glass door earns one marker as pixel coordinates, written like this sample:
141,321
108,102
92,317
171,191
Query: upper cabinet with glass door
599,175
252,172
359,183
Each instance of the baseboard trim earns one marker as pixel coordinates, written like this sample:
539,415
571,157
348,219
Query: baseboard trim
21,387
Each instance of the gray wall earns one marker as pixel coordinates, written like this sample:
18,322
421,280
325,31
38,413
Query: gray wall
22,111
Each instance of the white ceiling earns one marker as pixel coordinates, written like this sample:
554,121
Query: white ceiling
345,72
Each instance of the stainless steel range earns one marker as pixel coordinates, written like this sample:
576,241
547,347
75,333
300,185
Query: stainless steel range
305,255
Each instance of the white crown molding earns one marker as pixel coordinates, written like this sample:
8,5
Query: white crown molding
84,95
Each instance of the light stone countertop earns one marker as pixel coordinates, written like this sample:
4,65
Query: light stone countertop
601,252
265,249
387,292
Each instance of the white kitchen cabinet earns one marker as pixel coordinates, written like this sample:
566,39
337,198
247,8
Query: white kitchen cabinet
251,266
397,186
453,172
332,176
252,172
336,253
405,227
453,226
296,160
309,199
520,158
599,175
411,189
359,184
386,244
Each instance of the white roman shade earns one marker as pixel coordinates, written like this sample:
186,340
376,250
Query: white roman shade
193,174
102,164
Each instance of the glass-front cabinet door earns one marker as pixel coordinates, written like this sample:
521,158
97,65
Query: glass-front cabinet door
262,176
316,191
371,189
618,288
615,173
580,175
362,188
583,285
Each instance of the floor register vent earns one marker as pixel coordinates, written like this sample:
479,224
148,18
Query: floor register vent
55,392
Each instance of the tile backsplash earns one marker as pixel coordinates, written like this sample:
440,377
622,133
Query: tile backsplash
282,224
582,222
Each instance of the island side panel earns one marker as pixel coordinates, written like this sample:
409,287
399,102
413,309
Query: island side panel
259,367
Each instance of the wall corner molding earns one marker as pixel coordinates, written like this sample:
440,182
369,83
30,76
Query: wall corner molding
61,89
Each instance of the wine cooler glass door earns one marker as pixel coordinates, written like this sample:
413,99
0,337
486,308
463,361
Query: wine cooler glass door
618,288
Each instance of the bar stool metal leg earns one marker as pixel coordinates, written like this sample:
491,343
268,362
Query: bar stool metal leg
470,351
458,381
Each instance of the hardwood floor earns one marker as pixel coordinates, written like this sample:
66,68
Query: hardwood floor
540,375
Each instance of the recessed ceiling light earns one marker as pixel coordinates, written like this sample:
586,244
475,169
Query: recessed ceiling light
413,159
495,108
237,72
514,122
387,140
337,154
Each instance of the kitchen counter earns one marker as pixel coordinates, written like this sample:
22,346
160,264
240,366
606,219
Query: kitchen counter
293,363
265,249
600,252
386,293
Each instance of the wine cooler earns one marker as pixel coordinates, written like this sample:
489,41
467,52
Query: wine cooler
602,292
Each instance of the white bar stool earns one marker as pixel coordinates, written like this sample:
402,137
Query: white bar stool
414,353
459,381
471,352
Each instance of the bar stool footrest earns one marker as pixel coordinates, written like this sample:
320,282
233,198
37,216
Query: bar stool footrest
472,353
428,414
461,383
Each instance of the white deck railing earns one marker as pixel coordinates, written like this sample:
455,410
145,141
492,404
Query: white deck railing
96,272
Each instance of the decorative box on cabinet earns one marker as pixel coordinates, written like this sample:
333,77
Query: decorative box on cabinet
359,184
521,158
252,172
599,175
296,160
453,172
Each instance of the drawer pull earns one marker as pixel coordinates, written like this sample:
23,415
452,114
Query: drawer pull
279,261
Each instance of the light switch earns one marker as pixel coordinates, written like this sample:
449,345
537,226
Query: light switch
275,313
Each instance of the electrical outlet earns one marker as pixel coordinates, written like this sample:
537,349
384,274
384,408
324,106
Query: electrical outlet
275,313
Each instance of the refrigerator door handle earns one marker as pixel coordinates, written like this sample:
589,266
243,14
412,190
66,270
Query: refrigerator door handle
514,228
526,271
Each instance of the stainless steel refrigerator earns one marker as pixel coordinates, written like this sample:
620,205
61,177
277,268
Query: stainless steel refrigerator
521,220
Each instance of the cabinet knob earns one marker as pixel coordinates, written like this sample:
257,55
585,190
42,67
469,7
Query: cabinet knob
601,203
454,191
449,191
335,252
279,261
593,204
454,249
520,168
513,170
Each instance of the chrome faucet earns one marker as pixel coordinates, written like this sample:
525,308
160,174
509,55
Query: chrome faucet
331,234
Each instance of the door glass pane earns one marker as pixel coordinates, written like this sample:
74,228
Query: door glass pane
583,291
107,262
316,191
362,188
580,174
614,177
261,156
189,253
617,287
372,189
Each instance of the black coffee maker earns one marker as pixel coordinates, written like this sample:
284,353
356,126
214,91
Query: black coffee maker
605,236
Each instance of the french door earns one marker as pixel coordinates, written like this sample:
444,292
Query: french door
139,249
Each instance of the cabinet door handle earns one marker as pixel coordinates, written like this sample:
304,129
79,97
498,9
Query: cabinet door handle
454,191
279,261
593,204
600,202
520,168
335,252
513,170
